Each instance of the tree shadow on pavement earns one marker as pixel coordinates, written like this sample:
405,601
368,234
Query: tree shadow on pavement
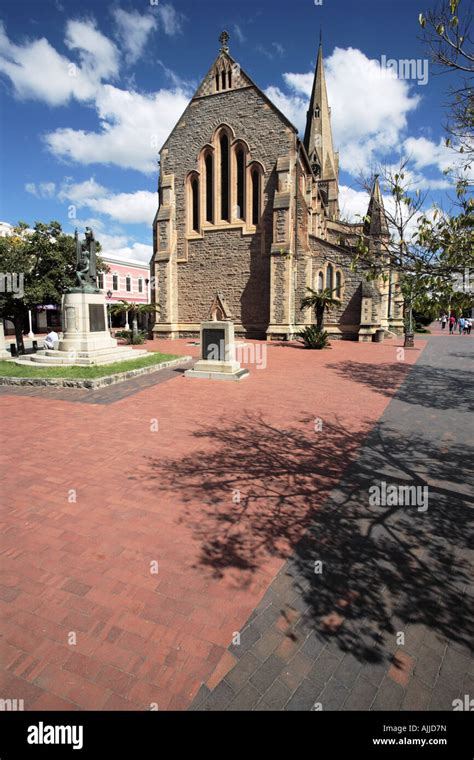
254,490
437,388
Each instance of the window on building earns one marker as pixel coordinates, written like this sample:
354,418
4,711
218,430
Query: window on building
140,285
240,184
317,112
229,78
115,282
195,204
330,277
338,284
223,79
128,283
209,188
100,281
320,282
256,190
224,144
217,81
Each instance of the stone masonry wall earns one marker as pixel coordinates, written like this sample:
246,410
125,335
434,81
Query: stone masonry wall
226,261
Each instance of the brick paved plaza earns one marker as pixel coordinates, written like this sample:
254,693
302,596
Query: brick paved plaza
233,499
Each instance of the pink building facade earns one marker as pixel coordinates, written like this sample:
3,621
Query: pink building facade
125,281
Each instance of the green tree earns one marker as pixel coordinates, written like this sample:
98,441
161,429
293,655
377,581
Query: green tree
134,309
45,258
320,302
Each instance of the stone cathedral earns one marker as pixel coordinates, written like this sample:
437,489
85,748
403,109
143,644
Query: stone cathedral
249,211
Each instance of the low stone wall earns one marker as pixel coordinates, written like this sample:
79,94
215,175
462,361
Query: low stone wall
92,384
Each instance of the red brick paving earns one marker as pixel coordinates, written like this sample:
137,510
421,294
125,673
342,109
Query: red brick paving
83,565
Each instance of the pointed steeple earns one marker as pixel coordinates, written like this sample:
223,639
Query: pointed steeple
318,134
376,224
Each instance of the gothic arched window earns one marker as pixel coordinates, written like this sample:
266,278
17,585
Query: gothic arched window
217,81
256,191
317,112
330,277
338,284
223,79
209,165
240,160
224,146
320,282
195,204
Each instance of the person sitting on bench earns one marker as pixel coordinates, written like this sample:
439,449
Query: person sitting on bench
50,340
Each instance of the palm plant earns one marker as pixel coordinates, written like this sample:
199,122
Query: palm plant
134,309
319,301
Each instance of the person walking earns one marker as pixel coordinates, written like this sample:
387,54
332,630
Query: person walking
468,325
444,319
461,325
452,322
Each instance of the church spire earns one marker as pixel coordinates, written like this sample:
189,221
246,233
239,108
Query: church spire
376,223
318,134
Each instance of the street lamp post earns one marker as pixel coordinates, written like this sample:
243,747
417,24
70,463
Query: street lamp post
109,295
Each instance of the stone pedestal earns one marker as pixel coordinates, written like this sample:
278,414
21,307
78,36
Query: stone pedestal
217,360
4,354
85,323
86,340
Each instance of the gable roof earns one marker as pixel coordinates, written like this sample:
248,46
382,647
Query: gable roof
240,81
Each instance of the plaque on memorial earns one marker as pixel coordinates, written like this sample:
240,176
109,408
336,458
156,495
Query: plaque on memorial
213,344
96,317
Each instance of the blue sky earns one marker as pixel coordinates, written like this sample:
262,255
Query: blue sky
90,90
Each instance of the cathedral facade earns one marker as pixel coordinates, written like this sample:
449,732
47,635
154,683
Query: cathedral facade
250,211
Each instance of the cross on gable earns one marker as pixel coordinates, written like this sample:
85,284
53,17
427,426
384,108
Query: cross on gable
224,40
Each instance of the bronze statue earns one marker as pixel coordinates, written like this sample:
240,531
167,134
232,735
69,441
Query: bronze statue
86,264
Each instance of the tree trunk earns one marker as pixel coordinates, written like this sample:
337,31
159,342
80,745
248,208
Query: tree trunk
135,326
319,317
18,323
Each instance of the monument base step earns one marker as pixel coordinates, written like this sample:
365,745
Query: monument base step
241,374
82,358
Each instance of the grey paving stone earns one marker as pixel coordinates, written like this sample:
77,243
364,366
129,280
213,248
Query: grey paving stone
219,698
348,670
266,618
444,693
266,644
248,637
241,672
454,666
277,695
246,699
313,646
361,695
295,670
324,666
267,673
375,672
303,698
333,695
427,666
389,696
200,697
417,696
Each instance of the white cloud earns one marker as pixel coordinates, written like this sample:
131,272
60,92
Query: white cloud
239,33
127,208
133,30
133,128
170,19
41,190
37,71
369,113
98,54
353,204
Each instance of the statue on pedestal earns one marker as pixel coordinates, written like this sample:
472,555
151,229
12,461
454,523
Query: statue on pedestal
86,264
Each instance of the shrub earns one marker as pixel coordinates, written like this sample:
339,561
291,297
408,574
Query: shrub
312,337
130,338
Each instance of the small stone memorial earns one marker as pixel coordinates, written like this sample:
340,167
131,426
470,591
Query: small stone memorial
218,360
